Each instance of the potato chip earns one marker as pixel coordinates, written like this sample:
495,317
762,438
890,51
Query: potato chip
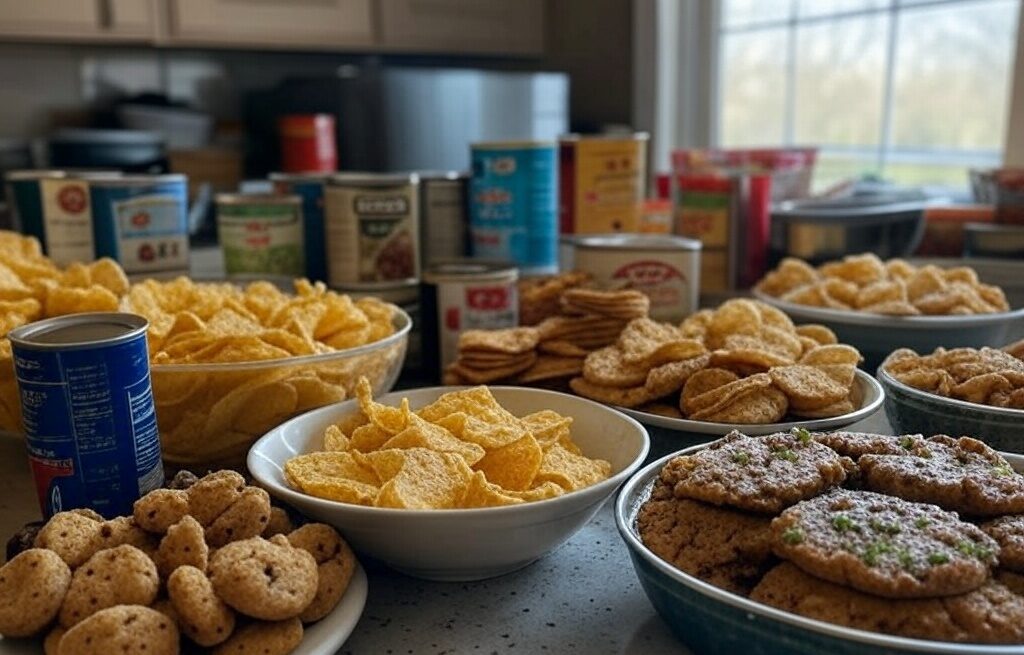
899,269
844,406
608,367
700,383
839,293
513,466
481,493
389,419
718,398
66,300
670,378
367,438
620,396
979,388
695,326
422,434
332,464
571,471
486,373
819,333
548,367
837,353
335,440
418,478
790,274
547,426
642,340
541,491
761,405
756,359
844,374
475,430
562,348
880,292
806,387
861,270
510,340
737,316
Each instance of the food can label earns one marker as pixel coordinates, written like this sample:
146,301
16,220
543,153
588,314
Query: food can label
144,227
261,238
606,178
444,220
665,285
90,426
312,194
473,306
372,234
67,221
514,206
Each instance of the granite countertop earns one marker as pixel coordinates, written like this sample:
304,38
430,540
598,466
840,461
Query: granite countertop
582,598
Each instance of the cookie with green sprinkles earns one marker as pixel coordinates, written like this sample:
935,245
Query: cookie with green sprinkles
856,444
962,475
1008,531
885,545
757,474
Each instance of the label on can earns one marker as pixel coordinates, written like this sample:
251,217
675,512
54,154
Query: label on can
142,226
603,184
67,232
444,220
514,206
472,306
372,233
312,194
261,238
90,426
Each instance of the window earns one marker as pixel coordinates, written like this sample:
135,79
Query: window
916,91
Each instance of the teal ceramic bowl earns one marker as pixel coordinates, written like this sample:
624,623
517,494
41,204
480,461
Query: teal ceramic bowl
912,411
711,621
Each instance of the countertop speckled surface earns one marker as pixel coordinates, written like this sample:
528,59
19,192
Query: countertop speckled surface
582,598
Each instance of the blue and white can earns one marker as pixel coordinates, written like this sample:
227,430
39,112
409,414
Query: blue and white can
513,200
141,221
309,187
87,411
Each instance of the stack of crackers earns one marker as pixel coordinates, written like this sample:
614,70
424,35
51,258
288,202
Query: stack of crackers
540,297
744,362
552,352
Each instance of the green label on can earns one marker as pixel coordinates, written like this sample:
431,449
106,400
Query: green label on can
261,238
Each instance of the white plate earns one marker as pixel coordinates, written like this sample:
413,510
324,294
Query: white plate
324,637
871,392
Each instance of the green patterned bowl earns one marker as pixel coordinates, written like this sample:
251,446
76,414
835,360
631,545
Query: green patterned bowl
712,621
912,411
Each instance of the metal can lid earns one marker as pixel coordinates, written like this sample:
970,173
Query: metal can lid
573,137
312,176
373,179
365,287
256,199
460,270
119,180
430,176
635,242
511,145
34,174
79,331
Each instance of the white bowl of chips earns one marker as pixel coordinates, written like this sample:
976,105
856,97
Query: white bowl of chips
460,544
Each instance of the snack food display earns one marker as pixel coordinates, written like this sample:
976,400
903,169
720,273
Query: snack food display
228,363
463,450
199,565
845,543
540,297
986,376
865,283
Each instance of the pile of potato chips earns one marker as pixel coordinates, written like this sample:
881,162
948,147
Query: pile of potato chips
552,352
207,417
463,450
744,362
986,376
865,283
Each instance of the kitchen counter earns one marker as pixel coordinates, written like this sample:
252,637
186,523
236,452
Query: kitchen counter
582,598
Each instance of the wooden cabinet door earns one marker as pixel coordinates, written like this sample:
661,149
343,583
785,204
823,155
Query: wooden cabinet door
281,23
50,18
458,26
129,18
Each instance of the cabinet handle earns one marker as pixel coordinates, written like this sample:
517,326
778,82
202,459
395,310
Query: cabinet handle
106,14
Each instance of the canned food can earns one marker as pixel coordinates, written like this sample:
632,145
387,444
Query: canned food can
308,143
141,221
309,187
665,268
261,233
602,183
443,220
464,295
87,410
55,209
513,204
371,224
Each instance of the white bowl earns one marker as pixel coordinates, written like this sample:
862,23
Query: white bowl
876,335
460,544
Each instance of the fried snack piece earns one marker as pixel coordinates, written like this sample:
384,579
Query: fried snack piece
115,576
267,580
989,615
757,474
1008,531
855,444
884,545
274,638
122,629
32,588
203,617
728,548
962,475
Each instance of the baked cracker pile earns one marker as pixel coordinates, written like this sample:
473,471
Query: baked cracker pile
551,352
212,566
540,297
744,362
986,376
910,536
865,283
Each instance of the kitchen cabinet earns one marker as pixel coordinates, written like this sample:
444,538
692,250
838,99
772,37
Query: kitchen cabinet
463,26
316,24
79,20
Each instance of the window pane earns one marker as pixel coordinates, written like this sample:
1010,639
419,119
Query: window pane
840,81
834,167
737,13
752,84
807,8
952,75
